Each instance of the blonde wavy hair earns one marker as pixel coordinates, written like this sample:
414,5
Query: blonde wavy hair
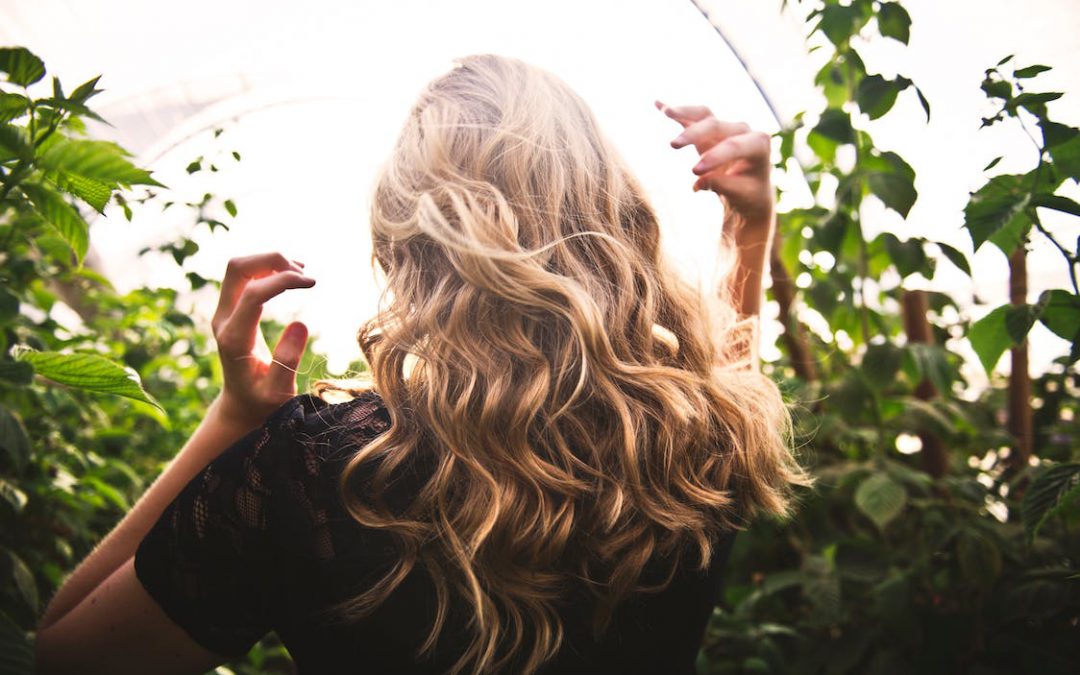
577,416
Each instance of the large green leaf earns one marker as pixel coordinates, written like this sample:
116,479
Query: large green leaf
1049,494
88,371
101,161
881,499
996,213
13,438
21,66
63,216
990,337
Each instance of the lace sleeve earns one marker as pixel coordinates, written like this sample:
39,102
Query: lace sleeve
211,561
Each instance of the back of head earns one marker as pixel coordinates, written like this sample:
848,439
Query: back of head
559,379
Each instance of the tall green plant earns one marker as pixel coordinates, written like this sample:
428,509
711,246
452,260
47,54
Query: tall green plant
915,554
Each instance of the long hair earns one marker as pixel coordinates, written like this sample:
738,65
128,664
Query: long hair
577,418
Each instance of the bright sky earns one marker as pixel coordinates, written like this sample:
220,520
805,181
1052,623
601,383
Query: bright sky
312,95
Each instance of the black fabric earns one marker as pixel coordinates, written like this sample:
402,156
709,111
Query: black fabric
260,541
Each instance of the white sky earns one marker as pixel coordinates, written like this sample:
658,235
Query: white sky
312,95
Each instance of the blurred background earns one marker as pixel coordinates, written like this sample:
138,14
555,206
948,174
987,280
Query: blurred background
311,95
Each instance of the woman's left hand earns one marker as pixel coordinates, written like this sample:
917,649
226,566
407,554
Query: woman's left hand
734,163
257,381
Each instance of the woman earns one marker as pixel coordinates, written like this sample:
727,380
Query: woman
549,469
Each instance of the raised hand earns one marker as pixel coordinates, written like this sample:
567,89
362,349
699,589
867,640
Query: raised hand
257,381
734,162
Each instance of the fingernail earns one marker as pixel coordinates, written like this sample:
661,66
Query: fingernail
699,167
678,142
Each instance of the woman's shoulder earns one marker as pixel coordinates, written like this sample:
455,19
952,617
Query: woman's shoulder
330,425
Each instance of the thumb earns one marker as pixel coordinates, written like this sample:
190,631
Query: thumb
281,377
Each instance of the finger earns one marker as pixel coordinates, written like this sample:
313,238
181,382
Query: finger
281,378
684,114
708,132
752,147
242,270
239,330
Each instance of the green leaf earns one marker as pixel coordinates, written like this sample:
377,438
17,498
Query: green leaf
13,439
16,372
1019,320
955,257
1066,156
996,213
881,362
230,206
930,362
101,161
923,102
894,22
895,190
1048,495
16,141
839,23
908,256
16,653
1005,60
876,95
88,371
108,493
993,163
1056,134
85,91
990,338
835,124
881,499
1061,313
21,66
1056,202
12,106
96,194
61,215
1029,71
68,105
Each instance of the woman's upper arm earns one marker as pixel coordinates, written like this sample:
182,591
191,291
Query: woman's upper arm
119,629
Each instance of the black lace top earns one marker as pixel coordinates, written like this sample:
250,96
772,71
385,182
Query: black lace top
259,541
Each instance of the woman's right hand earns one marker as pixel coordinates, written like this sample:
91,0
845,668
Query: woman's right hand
257,381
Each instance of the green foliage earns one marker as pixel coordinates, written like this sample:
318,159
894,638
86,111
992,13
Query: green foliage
90,411
892,565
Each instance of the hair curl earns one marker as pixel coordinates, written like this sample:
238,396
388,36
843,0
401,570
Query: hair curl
578,416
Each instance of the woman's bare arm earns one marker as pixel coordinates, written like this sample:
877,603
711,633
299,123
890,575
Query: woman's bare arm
103,593
734,163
